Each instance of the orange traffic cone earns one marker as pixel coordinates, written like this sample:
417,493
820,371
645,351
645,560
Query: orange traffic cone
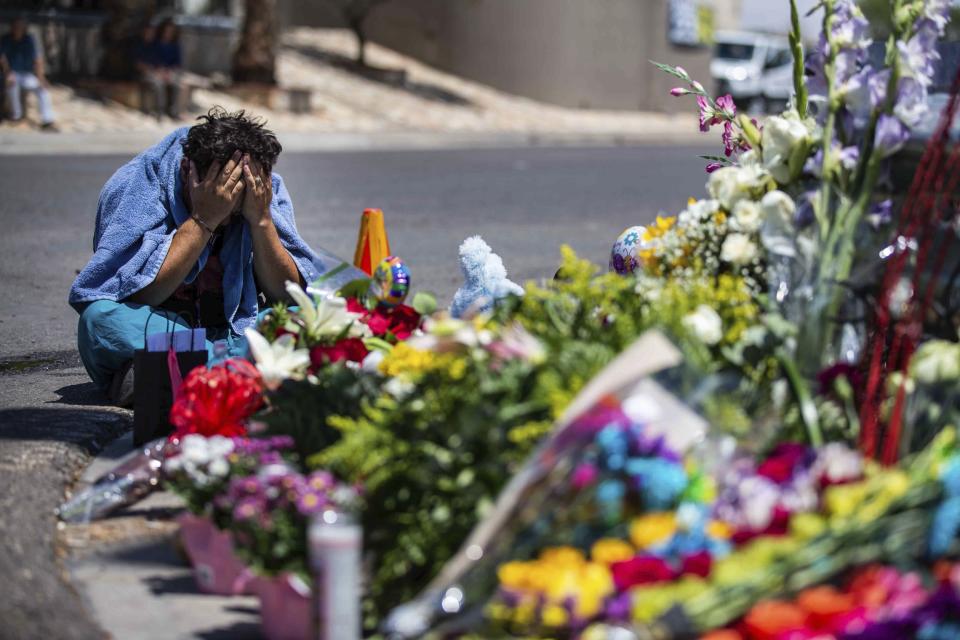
372,243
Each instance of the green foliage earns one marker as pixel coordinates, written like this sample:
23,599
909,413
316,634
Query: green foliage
429,462
301,408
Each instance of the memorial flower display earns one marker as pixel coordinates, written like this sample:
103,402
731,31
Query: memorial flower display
786,468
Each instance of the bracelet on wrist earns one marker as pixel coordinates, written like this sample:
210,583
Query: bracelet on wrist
203,225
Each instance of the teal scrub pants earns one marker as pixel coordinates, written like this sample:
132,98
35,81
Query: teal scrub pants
109,332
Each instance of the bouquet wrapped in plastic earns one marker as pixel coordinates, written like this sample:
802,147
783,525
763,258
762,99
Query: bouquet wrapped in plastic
548,498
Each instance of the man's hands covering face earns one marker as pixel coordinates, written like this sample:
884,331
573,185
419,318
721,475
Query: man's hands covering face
258,192
215,197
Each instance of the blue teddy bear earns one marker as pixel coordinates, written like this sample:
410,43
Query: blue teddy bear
485,279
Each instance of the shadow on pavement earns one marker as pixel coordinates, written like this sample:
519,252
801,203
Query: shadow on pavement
89,429
164,585
82,395
396,78
238,631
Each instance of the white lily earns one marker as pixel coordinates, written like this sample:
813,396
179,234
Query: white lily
326,317
277,361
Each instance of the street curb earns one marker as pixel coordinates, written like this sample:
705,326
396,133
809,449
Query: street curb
17,143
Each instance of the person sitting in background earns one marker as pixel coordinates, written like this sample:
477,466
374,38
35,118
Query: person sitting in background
158,60
22,67
197,224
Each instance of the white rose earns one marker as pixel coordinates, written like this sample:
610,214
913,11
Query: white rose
730,185
705,324
218,468
398,388
748,216
779,206
781,137
936,361
738,249
219,446
194,449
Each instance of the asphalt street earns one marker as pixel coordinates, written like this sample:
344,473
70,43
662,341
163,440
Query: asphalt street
524,202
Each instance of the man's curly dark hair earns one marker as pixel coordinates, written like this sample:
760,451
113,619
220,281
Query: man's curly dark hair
221,133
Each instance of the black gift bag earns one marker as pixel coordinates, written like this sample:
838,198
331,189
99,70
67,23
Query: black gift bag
154,378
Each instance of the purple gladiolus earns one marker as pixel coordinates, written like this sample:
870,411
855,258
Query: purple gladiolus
713,166
676,92
891,135
881,213
911,104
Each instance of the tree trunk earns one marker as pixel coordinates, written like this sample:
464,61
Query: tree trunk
255,57
356,25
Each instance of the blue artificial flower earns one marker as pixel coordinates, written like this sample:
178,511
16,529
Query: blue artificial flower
950,477
945,526
613,440
939,631
719,548
610,493
660,482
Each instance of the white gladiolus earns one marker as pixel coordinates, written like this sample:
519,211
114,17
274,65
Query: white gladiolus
781,137
748,216
277,361
738,249
705,324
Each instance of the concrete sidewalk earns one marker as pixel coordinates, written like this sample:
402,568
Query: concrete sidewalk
132,578
17,143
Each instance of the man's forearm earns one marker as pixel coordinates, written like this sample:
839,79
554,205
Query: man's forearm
272,263
185,249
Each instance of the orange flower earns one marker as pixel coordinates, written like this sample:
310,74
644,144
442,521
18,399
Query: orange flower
769,619
824,604
722,634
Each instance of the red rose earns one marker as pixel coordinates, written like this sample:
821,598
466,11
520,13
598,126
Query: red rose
355,306
404,320
697,564
379,323
640,570
783,462
349,349
778,527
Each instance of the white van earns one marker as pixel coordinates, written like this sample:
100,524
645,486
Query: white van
755,68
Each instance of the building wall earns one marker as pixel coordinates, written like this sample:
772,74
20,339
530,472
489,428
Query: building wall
575,53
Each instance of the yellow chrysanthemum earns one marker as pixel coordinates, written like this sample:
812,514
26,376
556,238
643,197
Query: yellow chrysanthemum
807,525
554,616
649,529
514,575
719,530
610,550
562,556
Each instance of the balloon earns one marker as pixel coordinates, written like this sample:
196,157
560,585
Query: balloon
625,255
391,281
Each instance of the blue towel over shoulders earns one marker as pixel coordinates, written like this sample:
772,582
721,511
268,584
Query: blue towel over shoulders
139,211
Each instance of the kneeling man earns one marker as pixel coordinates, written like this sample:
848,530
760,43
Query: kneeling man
197,230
